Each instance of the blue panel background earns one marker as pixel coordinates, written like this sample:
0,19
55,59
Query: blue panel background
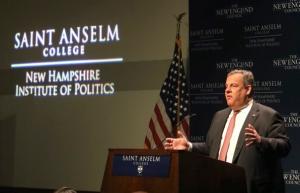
262,36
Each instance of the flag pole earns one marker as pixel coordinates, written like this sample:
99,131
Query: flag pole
171,111
178,42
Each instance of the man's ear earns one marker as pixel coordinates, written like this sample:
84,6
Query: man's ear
249,89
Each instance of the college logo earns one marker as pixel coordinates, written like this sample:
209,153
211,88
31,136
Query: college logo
263,35
259,29
207,33
268,91
66,42
69,41
207,39
140,170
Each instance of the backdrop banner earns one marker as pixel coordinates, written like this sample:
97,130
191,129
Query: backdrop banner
261,36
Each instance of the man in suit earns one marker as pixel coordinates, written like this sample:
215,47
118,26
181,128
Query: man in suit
246,133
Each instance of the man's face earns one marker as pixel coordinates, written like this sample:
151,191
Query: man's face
236,93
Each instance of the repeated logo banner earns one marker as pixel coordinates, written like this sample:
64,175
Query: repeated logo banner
256,35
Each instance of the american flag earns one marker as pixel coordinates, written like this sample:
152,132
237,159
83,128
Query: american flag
171,111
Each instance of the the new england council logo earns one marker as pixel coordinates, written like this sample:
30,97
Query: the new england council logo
292,177
291,62
287,6
235,63
292,120
234,11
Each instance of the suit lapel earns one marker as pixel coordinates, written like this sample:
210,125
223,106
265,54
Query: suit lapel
251,118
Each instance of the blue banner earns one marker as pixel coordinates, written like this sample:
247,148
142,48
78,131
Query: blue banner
141,165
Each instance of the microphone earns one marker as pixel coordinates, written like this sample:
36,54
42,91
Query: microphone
161,145
180,122
189,117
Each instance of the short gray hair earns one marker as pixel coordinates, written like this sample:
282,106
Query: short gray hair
65,190
248,77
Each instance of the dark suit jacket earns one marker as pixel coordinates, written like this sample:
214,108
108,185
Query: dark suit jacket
261,161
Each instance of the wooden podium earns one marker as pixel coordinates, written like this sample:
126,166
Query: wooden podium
159,171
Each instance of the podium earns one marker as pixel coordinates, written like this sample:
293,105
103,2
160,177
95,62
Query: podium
160,171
